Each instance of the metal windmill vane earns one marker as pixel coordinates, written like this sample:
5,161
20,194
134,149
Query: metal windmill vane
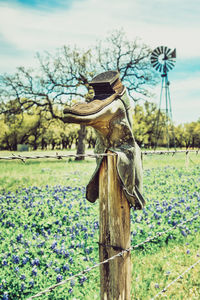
163,60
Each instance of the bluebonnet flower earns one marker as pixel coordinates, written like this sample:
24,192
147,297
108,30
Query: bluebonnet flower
57,269
35,262
64,218
156,216
16,259
65,267
82,280
5,296
85,258
72,283
22,277
22,286
31,282
66,254
70,206
85,236
34,272
25,260
71,260
4,262
59,278
169,207
54,245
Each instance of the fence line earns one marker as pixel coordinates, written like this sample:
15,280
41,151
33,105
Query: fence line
149,239
95,155
172,282
57,156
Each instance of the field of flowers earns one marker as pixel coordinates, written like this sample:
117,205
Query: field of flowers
49,233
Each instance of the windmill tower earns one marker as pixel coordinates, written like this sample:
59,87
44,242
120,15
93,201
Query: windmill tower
163,60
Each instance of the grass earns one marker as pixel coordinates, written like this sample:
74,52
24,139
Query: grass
171,187
16,173
153,272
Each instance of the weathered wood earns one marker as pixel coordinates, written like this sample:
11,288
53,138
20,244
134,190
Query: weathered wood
187,160
115,276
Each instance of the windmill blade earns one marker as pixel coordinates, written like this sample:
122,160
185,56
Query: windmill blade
163,63
158,67
165,50
173,53
168,51
153,57
155,64
167,68
171,63
161,67
153,61
157,51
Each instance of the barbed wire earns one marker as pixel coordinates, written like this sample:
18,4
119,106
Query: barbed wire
169,151
95,155
149,239
172,282
57,156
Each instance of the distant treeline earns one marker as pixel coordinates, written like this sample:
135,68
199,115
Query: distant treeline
32,99
35,129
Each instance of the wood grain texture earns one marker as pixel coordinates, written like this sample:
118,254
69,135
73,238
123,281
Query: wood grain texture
115,276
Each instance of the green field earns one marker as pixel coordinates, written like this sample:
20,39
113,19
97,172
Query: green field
50,232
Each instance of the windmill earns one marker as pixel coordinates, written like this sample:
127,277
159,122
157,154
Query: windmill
163,60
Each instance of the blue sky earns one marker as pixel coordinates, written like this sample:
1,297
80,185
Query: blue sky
27,27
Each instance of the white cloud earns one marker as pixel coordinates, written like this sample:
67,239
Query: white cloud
174,23
85,21
185,99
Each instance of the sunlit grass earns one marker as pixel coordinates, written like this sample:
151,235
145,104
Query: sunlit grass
166,178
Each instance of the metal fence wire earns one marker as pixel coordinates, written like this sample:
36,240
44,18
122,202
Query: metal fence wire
95,155
120,254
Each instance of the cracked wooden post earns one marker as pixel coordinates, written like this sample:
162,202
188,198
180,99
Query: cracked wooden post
114,218
117,180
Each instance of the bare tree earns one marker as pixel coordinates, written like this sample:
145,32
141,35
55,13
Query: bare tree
64,77
131,59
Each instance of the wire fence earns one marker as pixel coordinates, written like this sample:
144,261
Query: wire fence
177,278
95,155
120,254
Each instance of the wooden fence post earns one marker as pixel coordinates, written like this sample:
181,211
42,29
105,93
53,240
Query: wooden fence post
187,159
114,220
